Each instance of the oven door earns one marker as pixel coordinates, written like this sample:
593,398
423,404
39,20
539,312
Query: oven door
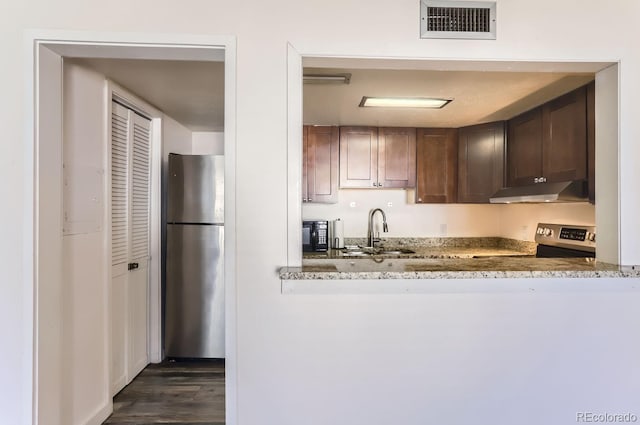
548,251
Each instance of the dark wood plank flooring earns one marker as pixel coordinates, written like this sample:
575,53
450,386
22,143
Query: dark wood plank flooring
178,393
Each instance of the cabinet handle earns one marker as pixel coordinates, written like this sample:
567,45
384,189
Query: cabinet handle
374,184
132,266
379,184
310,200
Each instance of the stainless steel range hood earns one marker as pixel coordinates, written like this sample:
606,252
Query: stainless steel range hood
572,191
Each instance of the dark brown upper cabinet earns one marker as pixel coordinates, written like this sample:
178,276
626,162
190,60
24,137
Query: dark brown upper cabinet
373,157
437,165
396,157
320,164
549,143
564,140
524,148
480,161
358,157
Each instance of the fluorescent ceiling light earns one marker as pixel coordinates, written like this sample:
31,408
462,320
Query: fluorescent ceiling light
404,102
326,78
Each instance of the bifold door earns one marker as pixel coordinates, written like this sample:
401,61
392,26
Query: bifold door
130,217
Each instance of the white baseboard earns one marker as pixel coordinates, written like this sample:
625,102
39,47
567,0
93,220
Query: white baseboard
118,385
101,414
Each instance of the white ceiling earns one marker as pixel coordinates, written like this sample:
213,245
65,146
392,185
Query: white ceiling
191,92
478,96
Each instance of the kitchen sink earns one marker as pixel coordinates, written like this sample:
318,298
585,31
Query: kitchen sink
368,251
356,253
398,251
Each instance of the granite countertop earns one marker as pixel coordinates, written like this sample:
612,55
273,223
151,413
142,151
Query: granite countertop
434,248
454,268
448,258
422,252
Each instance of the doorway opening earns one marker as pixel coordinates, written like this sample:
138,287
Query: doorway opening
414,77
72,315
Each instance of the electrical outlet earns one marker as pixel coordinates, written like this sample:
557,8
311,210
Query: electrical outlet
443,229
352,204
389,204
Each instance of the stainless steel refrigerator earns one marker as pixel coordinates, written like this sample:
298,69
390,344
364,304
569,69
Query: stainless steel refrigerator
194,295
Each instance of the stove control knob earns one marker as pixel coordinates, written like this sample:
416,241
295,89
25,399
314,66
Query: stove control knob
540,231
548,232
591,237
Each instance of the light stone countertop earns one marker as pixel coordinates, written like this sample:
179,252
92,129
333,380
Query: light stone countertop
423,252
454,268
449,258
435,248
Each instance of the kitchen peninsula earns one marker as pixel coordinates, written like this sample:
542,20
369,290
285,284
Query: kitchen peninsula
447,258
455,268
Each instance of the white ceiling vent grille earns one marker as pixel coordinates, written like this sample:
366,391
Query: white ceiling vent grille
458,19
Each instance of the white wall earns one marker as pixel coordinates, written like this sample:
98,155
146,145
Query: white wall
518,221
85,337
176,138
49,297
607,156
357,359
407,219
208,143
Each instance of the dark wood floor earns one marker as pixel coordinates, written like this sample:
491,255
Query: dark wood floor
179,393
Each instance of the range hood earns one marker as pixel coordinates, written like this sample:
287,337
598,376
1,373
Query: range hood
572,191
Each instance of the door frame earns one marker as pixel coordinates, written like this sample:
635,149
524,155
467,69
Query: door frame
40,166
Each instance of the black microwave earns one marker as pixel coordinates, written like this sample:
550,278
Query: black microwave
315,235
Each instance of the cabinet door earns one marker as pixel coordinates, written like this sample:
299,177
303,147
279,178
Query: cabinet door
437,171
524,148
397,157
305,160
322,164
564,141
480,162
358,157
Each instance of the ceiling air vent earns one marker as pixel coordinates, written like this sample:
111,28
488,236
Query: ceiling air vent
458,19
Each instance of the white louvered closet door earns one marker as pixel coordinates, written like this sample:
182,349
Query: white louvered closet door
130,220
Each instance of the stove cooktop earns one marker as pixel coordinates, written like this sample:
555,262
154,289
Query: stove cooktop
578,237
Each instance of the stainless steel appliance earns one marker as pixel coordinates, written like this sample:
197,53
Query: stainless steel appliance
571,191
337,234
565,240
194,298
315,235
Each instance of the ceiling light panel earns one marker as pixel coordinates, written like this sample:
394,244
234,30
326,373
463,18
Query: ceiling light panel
404,102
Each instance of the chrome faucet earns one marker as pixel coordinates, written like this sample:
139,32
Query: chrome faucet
371,239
